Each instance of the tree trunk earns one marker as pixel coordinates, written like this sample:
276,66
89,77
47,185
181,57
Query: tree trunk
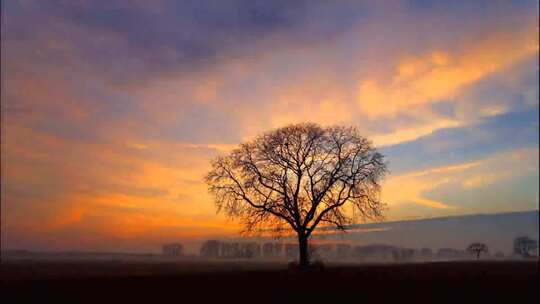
304,254
478,255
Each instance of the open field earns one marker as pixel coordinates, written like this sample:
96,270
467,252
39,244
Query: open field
238,282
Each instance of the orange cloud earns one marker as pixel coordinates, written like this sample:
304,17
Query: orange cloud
414,132
441,75
410,187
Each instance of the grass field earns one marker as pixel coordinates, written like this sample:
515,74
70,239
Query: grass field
240,282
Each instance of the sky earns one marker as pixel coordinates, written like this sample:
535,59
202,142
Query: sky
112,110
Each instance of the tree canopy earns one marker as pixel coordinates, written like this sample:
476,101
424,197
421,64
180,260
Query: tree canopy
297,177
477,249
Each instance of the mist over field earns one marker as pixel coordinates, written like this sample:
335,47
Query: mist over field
496,230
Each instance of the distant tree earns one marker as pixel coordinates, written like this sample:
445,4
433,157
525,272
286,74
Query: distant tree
524,245
297,177
477,249
173,249
396,255
426,252
407,254
248,253
451,253
210,249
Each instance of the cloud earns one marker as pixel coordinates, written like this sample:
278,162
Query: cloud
506,132
430,187
480,181
412,133
408,188
439,75
503,167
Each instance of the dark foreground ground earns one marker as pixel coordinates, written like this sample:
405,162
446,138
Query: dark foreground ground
137,282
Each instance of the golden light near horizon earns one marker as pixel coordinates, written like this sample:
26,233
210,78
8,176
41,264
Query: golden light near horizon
108,130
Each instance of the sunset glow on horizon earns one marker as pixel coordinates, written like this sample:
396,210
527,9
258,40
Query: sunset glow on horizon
112,111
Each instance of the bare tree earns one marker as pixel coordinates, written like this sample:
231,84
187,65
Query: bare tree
524,245
297,177
477,248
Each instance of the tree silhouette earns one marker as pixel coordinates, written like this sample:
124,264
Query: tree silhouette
477,248
298,176
524,245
